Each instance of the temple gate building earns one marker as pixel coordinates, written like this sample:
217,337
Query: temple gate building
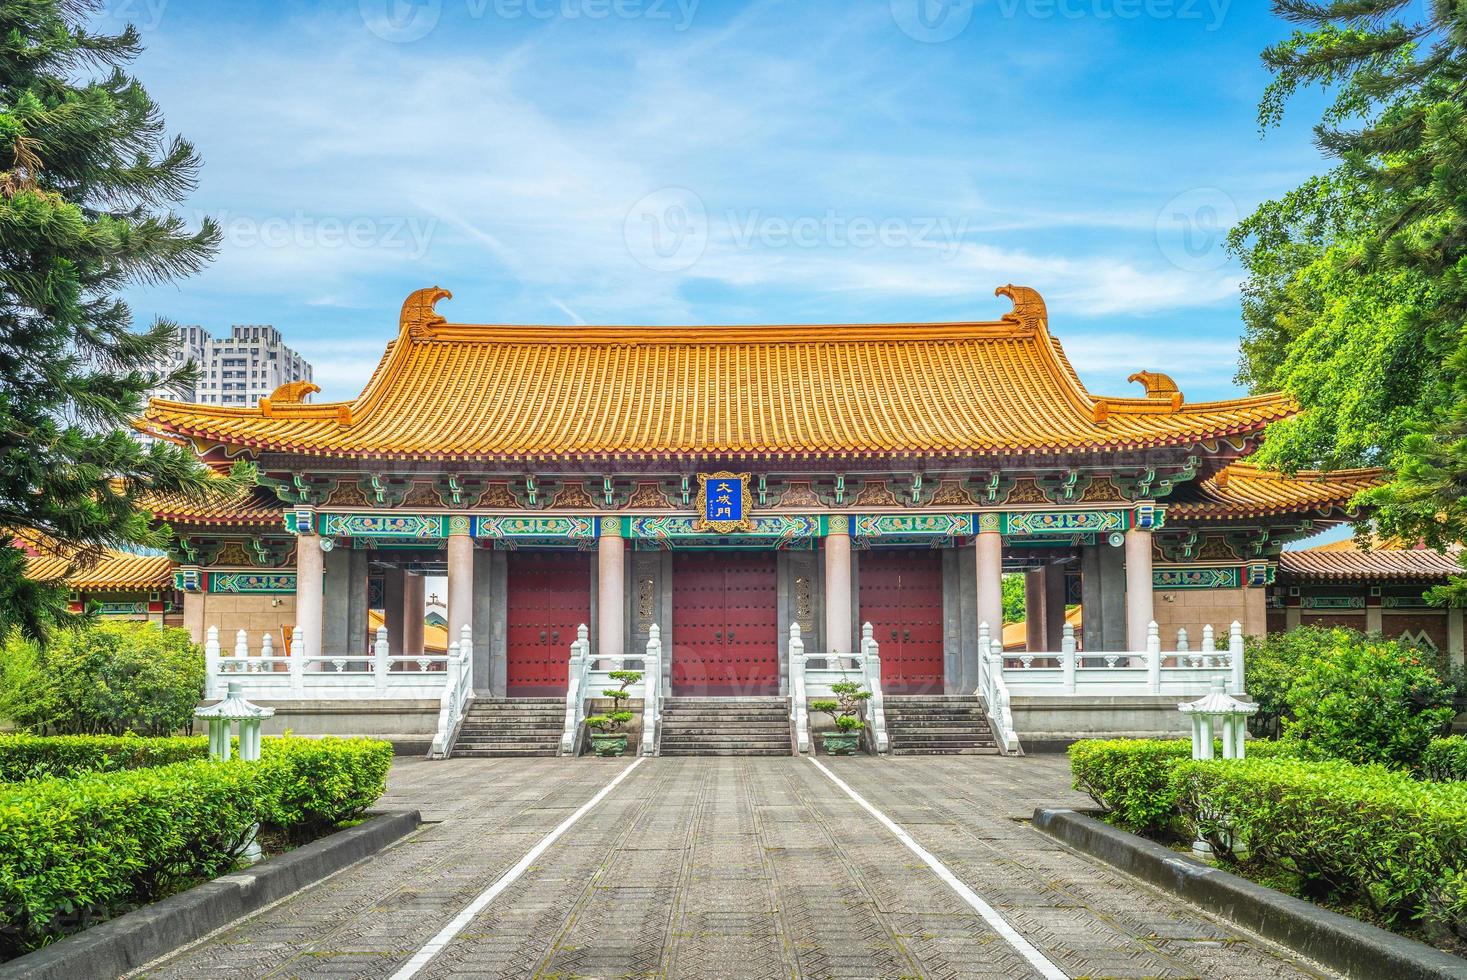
724,484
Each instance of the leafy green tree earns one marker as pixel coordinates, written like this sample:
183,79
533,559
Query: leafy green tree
87,177
1013,599
103,679
1356,298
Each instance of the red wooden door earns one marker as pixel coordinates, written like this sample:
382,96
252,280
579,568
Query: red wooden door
901,596
725,626
548,596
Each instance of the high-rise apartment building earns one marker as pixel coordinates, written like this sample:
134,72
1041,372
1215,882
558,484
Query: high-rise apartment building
238,369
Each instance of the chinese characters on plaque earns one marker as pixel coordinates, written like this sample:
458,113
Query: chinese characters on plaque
724,502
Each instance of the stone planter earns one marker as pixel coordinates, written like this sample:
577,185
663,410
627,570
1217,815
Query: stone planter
610,744
841,743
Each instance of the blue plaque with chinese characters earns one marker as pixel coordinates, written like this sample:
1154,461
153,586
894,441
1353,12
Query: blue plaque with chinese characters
724,502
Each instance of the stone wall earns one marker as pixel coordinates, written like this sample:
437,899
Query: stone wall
1192,609
256,614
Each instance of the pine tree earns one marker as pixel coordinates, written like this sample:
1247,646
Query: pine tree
89,174
1357,297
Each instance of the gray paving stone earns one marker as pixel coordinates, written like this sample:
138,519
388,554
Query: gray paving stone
725,868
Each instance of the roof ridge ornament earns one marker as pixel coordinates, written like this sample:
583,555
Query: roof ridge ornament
1159,386
1029,312
418,314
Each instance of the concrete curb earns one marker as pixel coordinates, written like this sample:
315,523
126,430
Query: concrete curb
1353,948
129,941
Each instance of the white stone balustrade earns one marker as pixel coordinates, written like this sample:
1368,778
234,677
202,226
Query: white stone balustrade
269,675
993,689
814,675
1176,672
589,676
457,691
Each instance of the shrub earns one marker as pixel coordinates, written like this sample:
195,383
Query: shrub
75,850
1132,778
32,757
317,782
1354,835
1445,760
1367,702
1272,664
104,679
844,707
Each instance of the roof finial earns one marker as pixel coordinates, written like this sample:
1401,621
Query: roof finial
418,315
1029,312
1160,387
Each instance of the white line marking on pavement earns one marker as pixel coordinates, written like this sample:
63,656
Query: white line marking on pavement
445,935
1000,925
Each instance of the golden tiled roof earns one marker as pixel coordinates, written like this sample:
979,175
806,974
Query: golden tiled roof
251,506
435,637
453,391
1344,562
1241,490
118,571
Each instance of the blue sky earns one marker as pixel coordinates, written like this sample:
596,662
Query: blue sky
699,161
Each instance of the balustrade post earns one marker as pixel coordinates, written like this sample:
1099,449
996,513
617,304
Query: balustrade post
242,644
798,709
1209,647
380,663
267,653
1067,658
651,689
1153,657
297,659
1235,656
871,661
1183,646
211,664
466,650
982,656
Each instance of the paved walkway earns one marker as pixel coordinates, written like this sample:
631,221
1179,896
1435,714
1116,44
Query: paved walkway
731,868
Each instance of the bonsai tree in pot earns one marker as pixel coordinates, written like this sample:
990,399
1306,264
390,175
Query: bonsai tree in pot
608,731
843,709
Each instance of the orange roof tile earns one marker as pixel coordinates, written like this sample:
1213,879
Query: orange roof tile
252,506
118,571
1334,563
1242,490
446,390
435,637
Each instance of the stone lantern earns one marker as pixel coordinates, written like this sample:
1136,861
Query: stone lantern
221,716
1218,713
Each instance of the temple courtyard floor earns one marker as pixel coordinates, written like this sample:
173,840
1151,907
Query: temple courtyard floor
731,868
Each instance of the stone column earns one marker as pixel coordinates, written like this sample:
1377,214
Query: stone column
839,635
310,573
989,548
1036,615
359,567
1055,595
413,586
392,605
1139,603
1374,623
460,583
610,590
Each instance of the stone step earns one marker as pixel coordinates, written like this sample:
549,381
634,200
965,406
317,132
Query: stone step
746,753
720,738
945,751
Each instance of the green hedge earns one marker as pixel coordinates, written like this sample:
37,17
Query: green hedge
1353,835
1131,778
76,850
33,757
1445,759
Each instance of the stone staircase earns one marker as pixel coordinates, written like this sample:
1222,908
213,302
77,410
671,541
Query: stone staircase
510,727
938,724
725,726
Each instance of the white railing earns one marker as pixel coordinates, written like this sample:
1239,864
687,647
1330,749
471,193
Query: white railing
589,676
995,692
813,676
268,675
1179,672
458,691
